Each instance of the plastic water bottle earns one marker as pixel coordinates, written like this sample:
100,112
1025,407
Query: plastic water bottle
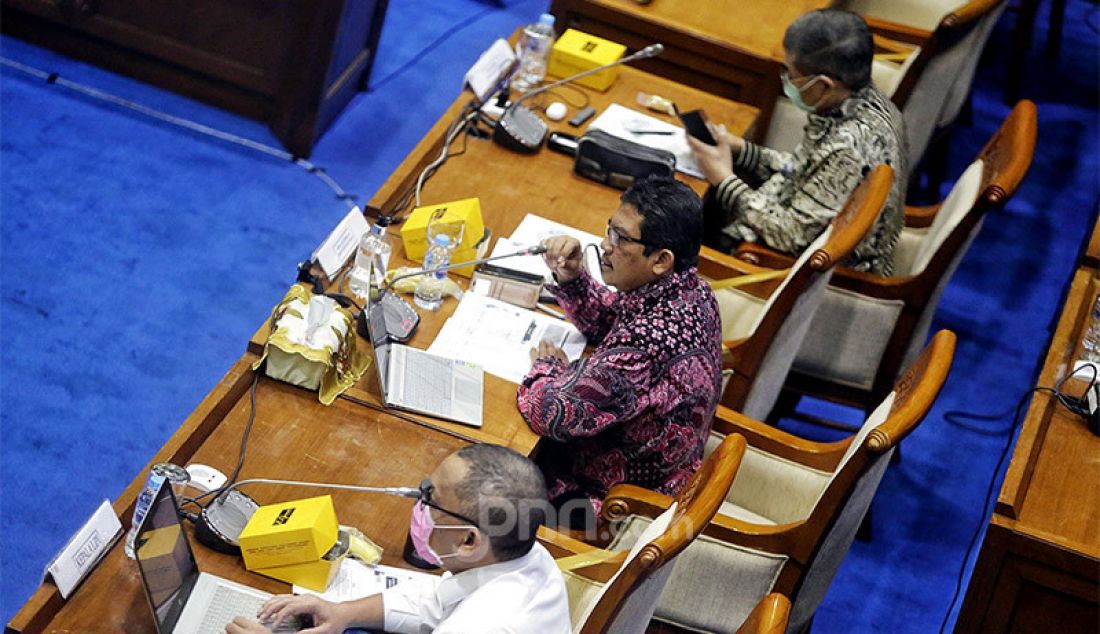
177,477
1091,343
533,51
429,292
372,258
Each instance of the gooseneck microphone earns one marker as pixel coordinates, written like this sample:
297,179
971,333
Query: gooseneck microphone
220,523
535,250
520,129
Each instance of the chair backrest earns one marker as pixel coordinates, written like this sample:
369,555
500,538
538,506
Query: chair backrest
762,363
934,87
993,178
870,327
626,602
846,498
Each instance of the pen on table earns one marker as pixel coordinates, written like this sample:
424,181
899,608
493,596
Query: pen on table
550,311
640,132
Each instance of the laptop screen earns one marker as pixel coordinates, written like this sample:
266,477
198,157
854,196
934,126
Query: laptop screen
380,342
164,557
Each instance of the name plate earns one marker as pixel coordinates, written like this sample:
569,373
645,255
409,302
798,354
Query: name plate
84,549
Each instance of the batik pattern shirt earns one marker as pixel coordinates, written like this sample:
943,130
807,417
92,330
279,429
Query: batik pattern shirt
801,192
639,408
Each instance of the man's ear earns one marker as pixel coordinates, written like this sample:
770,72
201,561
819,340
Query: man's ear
475,545
663,263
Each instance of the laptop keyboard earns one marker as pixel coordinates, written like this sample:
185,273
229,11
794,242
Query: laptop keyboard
428,382
227,604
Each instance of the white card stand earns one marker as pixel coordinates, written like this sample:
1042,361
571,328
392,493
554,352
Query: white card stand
84,549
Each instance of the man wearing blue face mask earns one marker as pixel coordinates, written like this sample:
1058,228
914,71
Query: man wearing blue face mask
785,200
477,517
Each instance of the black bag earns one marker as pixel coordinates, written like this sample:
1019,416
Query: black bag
617,162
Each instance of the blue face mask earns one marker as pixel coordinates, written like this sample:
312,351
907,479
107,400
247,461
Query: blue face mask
794,93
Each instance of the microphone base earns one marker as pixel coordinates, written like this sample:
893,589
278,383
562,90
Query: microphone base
521,130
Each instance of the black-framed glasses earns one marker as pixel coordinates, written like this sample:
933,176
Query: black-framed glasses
426,489
616,237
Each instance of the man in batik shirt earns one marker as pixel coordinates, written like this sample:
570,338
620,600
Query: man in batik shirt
639,408
785,200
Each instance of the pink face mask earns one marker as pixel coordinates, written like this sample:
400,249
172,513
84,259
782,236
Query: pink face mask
421,526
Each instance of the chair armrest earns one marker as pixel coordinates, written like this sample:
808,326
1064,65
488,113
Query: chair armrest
890,46
770,616
918,217
731,352
763,256
764,437
897,31
624,500
716,265
561,545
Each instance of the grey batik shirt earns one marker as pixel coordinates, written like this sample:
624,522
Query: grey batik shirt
801,192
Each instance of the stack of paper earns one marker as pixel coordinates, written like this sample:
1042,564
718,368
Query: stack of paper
355,580
499,336
533,230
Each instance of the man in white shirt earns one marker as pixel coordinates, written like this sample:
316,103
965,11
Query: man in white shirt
498,578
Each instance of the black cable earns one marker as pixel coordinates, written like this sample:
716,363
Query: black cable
243,451
1071,403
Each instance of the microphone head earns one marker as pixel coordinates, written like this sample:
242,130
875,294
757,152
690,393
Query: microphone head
653,50
537,250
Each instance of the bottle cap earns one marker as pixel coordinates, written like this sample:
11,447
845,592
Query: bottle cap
547,18
441,240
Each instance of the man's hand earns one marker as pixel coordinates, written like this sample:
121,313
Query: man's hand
328,618
716,161
547,349
564,257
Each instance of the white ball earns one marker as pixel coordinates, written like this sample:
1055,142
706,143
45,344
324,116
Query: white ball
556,111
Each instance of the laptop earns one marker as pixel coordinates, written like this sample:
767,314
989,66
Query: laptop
419,381
184,600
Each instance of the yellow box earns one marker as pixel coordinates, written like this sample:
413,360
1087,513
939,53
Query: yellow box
414,231
314,575
576,52
301,531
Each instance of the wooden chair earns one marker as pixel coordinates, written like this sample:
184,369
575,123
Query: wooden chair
763,323
932,82
869,326
770,616
926,60
617,591
791,514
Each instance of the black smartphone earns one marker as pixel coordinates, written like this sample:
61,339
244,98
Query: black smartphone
696,125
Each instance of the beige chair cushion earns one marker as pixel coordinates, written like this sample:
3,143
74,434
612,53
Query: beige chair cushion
775,490
887,74
634,614
786,126
739,311
847,338
958,203
713,585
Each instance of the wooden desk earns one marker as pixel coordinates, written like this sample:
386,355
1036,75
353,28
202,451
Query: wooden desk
1039,567
294,436
293,64
732,48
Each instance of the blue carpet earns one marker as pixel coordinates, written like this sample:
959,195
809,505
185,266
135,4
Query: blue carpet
136,259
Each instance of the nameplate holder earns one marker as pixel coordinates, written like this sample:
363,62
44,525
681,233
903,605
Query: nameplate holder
341,243
84,549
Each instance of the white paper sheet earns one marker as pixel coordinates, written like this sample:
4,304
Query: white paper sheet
499,336
355,580
624,123
533,230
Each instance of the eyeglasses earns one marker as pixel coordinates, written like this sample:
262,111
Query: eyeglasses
615,238
426,489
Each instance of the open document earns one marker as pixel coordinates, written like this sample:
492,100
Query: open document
499,336
355,580
533,230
